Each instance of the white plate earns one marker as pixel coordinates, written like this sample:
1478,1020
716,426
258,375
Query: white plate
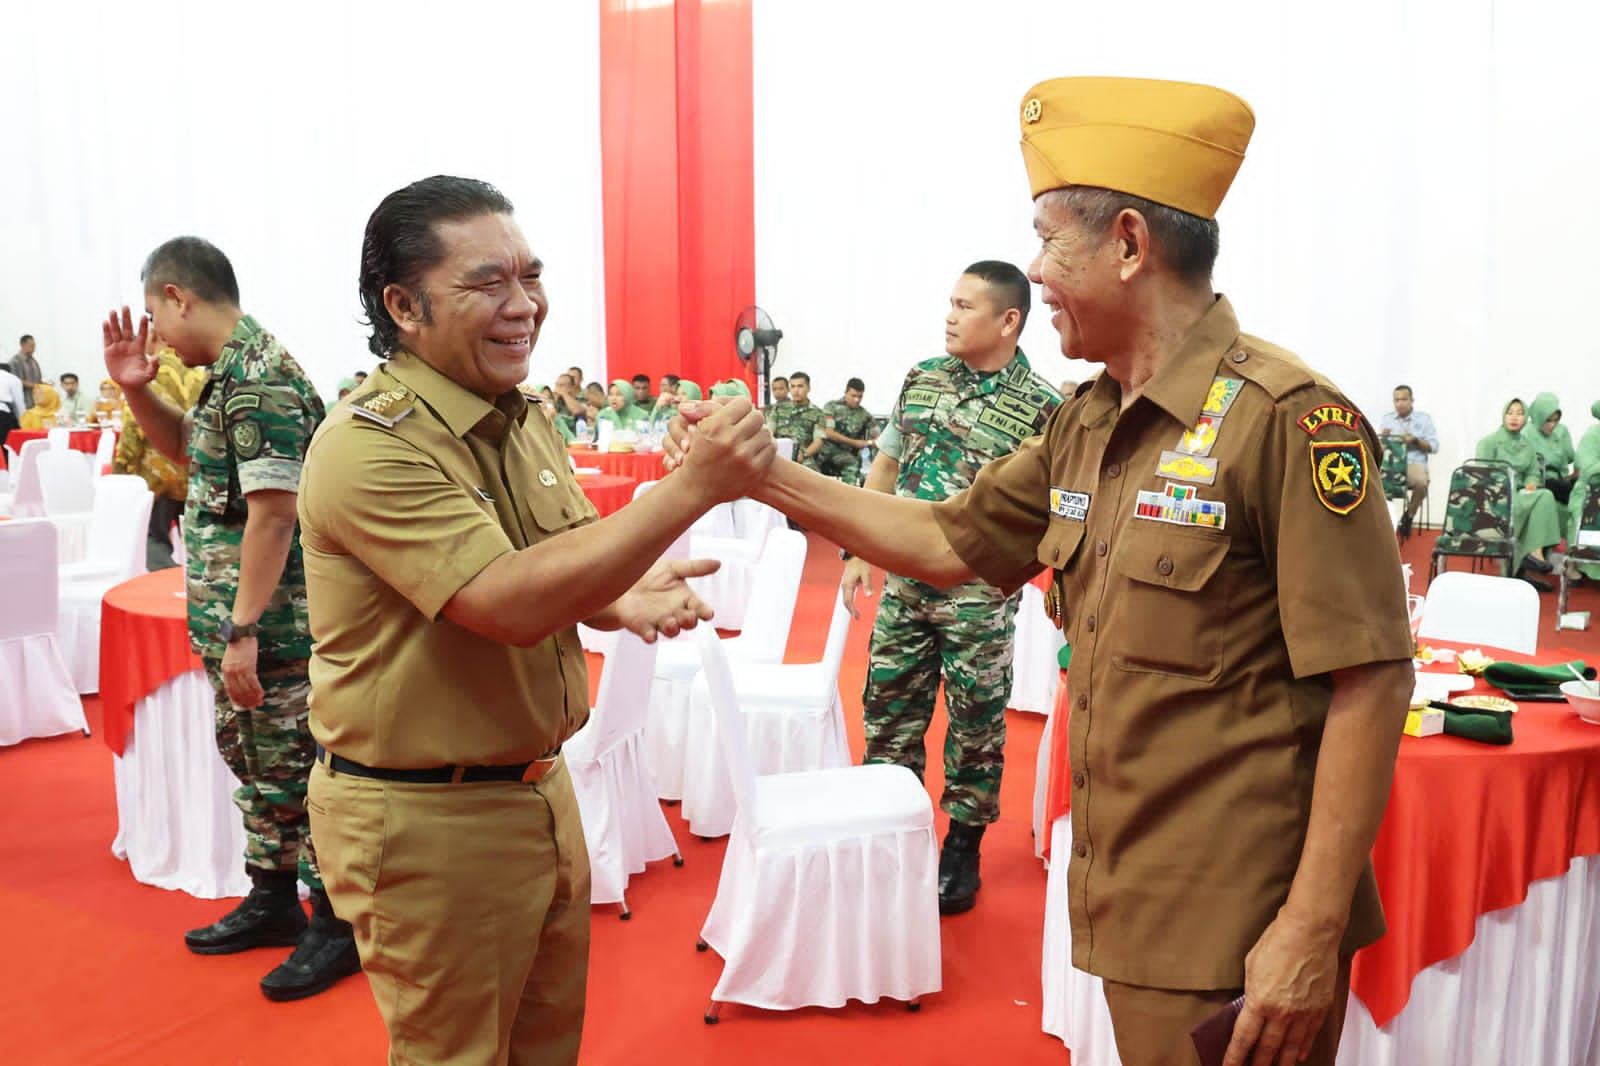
1440,686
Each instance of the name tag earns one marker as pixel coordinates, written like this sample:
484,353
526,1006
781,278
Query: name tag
922,397
1073,506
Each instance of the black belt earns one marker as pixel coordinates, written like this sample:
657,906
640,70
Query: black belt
530,772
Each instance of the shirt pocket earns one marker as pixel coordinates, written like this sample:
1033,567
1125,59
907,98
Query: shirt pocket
1057,549
209,474
560,506
1172,603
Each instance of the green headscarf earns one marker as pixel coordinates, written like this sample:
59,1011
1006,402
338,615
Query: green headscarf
1589,446
1514,448
731,387
1555,448
689,392
631,413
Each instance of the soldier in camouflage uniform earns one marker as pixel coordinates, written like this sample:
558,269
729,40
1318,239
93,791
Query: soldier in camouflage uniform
243,443
798,420
954,414
845,430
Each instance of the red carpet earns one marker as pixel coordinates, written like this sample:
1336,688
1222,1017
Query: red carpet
98,972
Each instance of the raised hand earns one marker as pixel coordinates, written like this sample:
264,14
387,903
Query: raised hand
127,360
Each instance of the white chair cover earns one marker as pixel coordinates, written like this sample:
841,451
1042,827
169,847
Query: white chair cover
601,641
176,822
65,482
763,640
753,520
1526,991
622,820
105,452
717,536
793,721
1041,780
1034,668
1502,612
117,530
785,447
60,438
829,889
28,497
37,697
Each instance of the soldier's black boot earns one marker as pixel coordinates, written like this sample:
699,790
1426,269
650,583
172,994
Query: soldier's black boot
326,952
269,917
958,868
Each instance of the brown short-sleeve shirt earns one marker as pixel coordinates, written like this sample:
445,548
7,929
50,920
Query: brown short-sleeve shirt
1219,552
394,520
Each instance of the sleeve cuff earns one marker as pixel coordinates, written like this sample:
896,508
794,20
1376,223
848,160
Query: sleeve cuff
1351,647
277,475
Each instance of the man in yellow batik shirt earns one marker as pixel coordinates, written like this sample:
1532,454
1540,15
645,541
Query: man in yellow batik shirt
180,386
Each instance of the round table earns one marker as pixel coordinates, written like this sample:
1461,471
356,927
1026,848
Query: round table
641,466
80,440
176,822
1488,864
608,492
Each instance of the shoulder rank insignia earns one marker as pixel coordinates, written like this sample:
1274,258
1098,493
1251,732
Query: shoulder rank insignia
1221,395
1198,441
1339,473
385,408
1330,414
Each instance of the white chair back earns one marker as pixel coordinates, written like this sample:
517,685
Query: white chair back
643,487
60,438
105,452
730,721
624,696
29,499
65,483
28,573
717,522
1502,612
753,520
678,549
833,651
772,597
120,524
785,447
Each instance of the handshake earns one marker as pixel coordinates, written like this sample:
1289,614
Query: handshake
722,443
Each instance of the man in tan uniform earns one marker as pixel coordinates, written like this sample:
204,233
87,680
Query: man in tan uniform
1227,581
441,526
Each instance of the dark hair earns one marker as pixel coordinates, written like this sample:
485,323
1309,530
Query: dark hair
1008,285
668,380
68,374
400,243
26,337
195,264
855,384
800,375
360,375
1188,243
645,378
1397,388
779,378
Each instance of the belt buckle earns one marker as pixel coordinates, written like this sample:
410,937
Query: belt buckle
537,769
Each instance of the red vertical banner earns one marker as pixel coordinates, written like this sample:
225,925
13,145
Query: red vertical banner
677,155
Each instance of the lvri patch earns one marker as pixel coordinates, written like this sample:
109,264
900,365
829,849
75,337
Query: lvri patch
1070,505
1339,473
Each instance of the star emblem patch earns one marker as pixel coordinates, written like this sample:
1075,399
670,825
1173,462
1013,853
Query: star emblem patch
1339,473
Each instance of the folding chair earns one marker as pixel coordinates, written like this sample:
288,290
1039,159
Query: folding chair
1583,549
1477,520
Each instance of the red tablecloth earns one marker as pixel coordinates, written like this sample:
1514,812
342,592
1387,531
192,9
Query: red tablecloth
1468,828
82,440
144,643
608,492
641,466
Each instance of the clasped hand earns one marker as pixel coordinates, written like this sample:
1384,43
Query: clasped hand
722,443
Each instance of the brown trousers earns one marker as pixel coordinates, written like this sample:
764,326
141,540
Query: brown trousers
470,904
1152,1024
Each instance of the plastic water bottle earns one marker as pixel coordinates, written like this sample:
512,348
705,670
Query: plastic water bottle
580,429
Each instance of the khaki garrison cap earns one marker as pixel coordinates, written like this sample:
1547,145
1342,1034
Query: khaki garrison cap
1173,142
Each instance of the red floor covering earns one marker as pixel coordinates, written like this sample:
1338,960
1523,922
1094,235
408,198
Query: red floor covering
97,973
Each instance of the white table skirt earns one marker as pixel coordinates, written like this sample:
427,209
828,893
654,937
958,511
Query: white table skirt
1526,991
1034,669
176,822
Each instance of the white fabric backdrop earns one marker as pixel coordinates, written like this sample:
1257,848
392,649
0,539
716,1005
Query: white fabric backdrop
115,135
1415,205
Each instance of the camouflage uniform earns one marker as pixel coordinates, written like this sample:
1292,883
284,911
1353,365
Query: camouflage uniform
249,433
841,460
947,424
799,424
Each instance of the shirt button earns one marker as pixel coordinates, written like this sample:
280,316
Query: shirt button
1239,357
1055,556
1100,548
1077,779
566,512
1083,703
1080,849
1114,470
1090,623
1164,566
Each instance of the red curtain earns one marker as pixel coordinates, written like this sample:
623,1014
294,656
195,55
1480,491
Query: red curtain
679,200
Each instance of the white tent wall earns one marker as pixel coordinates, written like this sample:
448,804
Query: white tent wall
273,131
1416,205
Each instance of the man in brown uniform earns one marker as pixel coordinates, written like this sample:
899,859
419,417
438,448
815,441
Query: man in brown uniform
1240,667
441,529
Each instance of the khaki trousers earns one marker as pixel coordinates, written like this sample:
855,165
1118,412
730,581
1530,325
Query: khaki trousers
1152,1024
470,904
1417,482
